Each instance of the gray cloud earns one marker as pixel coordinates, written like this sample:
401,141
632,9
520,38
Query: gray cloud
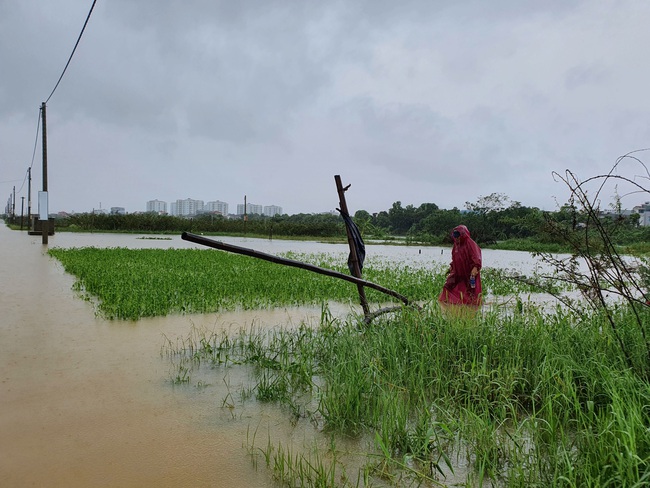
415,101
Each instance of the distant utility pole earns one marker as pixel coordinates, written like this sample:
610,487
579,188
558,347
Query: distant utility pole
45,224
245,209
245,215
22,209
29,197
13,204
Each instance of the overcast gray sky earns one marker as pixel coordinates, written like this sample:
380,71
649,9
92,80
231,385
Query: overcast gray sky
417,101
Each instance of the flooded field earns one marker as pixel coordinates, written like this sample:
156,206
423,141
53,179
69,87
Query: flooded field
89,402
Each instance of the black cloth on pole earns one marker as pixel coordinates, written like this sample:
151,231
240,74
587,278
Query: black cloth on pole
359,246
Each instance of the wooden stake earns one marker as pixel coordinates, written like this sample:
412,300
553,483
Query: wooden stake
186,236
354,259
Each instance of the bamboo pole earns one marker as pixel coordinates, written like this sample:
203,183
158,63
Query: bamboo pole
186,236
354,259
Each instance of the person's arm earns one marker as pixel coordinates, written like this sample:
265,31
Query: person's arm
450,282
477,260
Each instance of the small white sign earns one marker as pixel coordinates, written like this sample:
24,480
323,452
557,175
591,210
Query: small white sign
43,213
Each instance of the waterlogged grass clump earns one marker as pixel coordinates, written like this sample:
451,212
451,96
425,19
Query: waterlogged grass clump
528,399
134,283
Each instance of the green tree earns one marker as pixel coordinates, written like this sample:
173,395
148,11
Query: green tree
401,218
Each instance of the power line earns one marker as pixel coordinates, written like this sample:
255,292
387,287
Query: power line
73,50
23,183
52,93
38,128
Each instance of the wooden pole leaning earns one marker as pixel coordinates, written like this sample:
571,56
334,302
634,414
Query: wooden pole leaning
354,259
186,236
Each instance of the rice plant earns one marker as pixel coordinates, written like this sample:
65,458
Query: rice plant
134,283
534,399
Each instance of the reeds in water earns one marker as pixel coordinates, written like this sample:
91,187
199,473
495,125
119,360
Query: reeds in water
531,399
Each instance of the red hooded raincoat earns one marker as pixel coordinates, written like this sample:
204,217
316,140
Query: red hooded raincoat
465,255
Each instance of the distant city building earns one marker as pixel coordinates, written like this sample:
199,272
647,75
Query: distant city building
187,207
190,208
250,209
118,211
216,207
644,213
271,210
156,206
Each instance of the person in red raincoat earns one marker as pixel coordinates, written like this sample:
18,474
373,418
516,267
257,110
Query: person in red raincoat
465,263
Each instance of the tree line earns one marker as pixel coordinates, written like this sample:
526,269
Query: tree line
495,219
491,219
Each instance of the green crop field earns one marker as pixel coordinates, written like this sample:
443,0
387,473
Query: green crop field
519,397
134,283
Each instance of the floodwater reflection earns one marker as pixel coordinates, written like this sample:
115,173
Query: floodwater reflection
89,402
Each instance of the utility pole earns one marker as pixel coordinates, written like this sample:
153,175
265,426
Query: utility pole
13,205
22,209
45,224
245,214
29,197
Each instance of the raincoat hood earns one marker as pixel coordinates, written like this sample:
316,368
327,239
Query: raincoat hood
463,230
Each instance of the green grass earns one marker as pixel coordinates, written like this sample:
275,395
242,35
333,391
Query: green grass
134,283
523,398
129,284
530,399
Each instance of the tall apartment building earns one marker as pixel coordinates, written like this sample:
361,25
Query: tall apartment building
644,213
156,206
190,208
271,210
187,207
216,206
250,209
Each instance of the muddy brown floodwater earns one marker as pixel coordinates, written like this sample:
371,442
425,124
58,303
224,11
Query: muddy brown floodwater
86,402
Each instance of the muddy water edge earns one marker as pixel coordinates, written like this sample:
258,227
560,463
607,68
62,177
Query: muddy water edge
89,402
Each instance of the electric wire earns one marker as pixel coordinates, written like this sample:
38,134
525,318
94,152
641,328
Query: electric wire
38,127
73,51
38,130
23,183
